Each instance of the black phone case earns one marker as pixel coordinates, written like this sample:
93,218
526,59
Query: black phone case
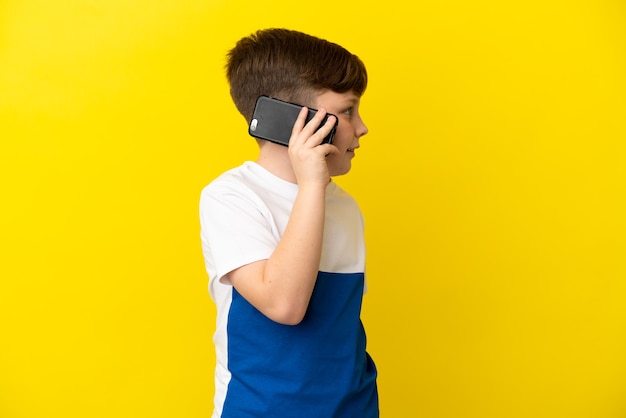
273,120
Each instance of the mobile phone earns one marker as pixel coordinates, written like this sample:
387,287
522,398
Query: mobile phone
273,120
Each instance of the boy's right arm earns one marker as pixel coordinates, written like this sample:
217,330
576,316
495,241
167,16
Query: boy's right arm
281,286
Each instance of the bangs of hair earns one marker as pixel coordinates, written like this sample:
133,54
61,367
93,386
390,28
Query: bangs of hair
339,71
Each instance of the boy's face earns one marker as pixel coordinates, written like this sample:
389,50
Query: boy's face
349,130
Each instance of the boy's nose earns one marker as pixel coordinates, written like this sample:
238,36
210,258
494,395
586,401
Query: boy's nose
361,128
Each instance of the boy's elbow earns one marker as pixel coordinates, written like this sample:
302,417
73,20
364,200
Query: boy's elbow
288,315
289,321
293,320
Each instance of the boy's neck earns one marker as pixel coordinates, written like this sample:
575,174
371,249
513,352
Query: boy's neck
275,159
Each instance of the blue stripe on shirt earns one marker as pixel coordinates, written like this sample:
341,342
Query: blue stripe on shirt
318,368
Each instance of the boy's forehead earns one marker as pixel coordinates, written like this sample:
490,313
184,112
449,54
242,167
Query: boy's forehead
340,98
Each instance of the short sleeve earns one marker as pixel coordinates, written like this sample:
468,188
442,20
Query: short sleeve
236,228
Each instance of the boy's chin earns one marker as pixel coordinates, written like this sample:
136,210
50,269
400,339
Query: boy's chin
340,171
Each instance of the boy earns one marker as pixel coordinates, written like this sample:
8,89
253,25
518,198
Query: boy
283,244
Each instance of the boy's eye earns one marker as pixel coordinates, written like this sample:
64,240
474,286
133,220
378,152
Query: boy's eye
348,112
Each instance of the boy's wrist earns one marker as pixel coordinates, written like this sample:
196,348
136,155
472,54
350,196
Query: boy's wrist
313,187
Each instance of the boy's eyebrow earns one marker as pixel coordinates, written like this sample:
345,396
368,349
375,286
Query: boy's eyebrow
351,100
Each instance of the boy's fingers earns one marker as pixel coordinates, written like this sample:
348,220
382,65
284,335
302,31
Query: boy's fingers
315,122
296,138
305,131
325,129
299,125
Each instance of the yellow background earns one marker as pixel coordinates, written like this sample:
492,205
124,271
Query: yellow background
493,183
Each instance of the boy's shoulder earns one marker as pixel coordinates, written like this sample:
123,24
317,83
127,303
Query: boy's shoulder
236,178
246,172
251,179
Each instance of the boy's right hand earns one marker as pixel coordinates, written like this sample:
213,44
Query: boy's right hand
306,151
